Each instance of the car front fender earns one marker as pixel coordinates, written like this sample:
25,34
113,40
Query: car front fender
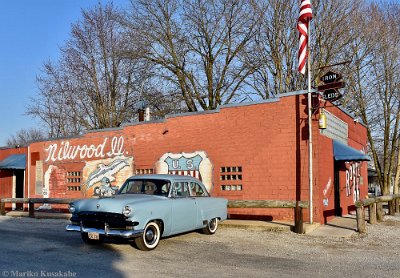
147,212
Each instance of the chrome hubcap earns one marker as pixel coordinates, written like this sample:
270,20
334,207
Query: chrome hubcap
213,224
149,235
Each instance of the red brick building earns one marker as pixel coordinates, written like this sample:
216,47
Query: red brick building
12,173
241,152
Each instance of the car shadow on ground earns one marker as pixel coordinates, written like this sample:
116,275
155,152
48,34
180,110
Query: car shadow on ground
37,248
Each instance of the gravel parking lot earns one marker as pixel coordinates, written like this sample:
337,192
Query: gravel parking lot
41,248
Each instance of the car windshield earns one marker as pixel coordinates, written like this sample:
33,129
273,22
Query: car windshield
146,186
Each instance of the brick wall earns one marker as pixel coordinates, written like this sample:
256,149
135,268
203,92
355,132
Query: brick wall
258,151
325,178
261,139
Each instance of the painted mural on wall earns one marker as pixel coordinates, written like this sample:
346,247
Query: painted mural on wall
107,160
327,192
49,179
353,180
196,164
116,170
106,189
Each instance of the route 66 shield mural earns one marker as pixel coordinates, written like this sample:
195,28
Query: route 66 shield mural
196,164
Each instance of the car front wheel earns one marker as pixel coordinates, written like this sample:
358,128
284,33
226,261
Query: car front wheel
150,238
211,227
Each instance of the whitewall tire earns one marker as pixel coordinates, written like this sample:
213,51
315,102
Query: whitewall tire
150,238
211,227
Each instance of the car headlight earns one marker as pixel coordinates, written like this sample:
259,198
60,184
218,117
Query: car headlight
126,211
72,208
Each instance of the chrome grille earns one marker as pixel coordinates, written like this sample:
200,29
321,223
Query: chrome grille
92,219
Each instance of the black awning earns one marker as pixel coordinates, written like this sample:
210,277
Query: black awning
342,152
14,162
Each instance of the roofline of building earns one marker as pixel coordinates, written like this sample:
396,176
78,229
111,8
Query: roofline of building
176,115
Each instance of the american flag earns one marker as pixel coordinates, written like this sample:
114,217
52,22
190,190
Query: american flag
305,17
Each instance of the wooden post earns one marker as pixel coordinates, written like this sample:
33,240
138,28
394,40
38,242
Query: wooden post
298,219
379,211
397,204
361,220
31,207
392,207
2,208
372,213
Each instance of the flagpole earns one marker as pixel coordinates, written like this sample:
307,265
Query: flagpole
303,23
310,138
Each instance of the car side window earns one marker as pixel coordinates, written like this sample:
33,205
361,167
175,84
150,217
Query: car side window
149,187
164,189
146,186
181,189
196,190
131,187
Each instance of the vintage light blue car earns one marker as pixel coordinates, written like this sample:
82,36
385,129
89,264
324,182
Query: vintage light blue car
149,207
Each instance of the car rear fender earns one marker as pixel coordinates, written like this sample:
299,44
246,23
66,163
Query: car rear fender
212,208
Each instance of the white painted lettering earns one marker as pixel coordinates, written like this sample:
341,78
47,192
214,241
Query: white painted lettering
100,148
66,151
189,164
51,150
117,146
175,164
353,181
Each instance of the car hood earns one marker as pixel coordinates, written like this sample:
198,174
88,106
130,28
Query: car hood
114,204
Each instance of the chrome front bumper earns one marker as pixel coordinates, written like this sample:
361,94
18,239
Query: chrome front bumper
105,232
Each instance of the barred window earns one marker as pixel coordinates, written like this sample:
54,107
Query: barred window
73,188
74,178
231,187
231,177
144,171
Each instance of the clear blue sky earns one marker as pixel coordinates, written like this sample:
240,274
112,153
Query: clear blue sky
31,32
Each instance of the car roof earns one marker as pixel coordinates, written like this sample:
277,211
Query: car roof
164,177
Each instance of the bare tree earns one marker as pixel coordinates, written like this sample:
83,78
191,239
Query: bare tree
275,55
191,55
197,46
93,85
333,31
25,136
275,50
374,85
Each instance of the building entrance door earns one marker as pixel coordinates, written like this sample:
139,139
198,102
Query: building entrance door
19,187
338,209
